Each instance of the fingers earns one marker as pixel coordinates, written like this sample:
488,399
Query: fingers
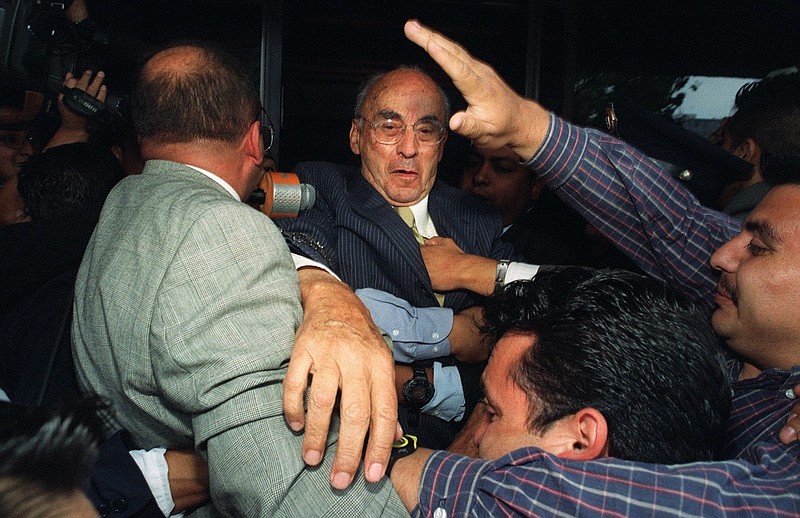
384,429
791,432
354,423
321,400
89,82
294,389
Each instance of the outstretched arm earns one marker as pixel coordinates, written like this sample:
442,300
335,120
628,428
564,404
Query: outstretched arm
341,348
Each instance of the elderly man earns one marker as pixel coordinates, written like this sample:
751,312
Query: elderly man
187,303
357,228
750,276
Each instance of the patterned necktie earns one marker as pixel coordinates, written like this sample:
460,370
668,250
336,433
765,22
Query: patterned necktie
408,217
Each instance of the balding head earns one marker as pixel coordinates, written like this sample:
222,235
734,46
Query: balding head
191,92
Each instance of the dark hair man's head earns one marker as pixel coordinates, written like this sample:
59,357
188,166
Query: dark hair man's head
193,91
44,460
66,178
593,363
768,111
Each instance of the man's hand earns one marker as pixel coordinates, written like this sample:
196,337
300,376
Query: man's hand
791,432
188,479
340,346
451,269
467,343
73,125
466,442
496,115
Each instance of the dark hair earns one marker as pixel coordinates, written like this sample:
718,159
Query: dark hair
44,458
211,98
768,111
66,178
625,344
371,81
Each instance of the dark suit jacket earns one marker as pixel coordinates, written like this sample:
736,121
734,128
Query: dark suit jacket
353,230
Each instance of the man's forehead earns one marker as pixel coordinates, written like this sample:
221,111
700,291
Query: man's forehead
778,214
403,92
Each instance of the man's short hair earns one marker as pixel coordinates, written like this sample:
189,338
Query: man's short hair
44,459
213,99
66,178
370,82
626,345
768,111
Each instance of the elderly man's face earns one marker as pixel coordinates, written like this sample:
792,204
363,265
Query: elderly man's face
15,150
506,428
759,290
403,173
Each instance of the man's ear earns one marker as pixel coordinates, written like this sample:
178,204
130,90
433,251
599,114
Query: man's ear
253,145
441,147
355,135
589,433
748,150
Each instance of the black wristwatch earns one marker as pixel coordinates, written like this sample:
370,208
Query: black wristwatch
418,391
403,447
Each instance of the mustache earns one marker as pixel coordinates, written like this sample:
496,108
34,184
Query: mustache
728,287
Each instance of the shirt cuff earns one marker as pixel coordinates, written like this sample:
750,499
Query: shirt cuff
520,271
154,467
417,333
301,262
448,399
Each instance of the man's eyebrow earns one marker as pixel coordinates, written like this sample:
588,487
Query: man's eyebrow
763,229
389,114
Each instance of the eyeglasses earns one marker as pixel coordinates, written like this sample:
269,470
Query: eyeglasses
16,141
267,131
390,131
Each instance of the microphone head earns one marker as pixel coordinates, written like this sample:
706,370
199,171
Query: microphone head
308,195
289,199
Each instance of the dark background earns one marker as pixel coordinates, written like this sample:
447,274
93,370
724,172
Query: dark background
310,56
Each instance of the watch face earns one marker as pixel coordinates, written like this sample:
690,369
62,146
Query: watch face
418,391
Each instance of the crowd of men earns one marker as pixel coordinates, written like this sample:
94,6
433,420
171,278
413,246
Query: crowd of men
266,367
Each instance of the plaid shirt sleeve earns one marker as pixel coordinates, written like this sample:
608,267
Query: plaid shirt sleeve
530,482
636,204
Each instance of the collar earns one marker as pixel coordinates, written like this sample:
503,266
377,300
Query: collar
225,185
423,219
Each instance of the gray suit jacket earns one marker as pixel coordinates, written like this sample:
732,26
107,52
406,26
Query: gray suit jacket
186,307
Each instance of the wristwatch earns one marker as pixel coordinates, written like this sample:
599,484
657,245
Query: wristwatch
418,391
402,447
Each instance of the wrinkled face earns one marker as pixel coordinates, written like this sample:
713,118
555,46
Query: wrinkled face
12,159
403,173
759,289
507,427
496,176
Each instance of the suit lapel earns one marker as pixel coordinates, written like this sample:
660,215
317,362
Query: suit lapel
392,235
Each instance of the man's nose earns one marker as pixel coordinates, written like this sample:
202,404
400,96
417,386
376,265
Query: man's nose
408,145
728,256
483,174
